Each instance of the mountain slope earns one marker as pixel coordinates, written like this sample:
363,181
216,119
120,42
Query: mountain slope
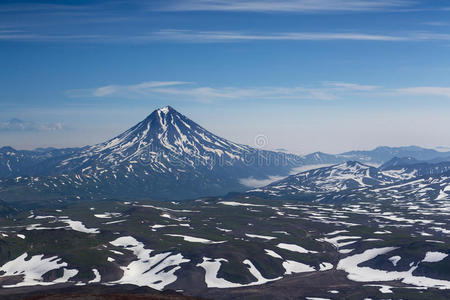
25,162
345,176
407,168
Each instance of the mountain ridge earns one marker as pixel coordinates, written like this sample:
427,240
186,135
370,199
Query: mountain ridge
166,156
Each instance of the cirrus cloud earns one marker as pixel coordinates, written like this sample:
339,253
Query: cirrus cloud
192,91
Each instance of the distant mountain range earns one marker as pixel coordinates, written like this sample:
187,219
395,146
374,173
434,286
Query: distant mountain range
379,155
167,156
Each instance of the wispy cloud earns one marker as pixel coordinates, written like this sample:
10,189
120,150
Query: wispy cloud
426,91
34,22
287,6
15,125
223,36
192,36
199,36
144,88
206,94
191,91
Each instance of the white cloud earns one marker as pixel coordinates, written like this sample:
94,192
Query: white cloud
426,91
20,125
252,182
287,6
123,90
211,93
105,91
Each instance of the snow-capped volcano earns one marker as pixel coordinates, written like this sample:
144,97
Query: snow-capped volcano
166,141
166,155
166,134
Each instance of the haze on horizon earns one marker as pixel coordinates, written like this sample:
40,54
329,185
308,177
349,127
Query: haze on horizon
308,75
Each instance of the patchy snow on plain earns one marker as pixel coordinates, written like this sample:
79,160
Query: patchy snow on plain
292,267
39,227
272,253
394,260
384,289
78,226
212,267
434,256
74,225
168,216
107,215
33,268
233,203
223,229
336,232
325,266
336,241
254,271
264,237
193,239
345,251
294,248
97,277
367,274
67,274
153,271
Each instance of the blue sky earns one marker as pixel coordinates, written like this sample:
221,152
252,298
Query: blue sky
328,75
